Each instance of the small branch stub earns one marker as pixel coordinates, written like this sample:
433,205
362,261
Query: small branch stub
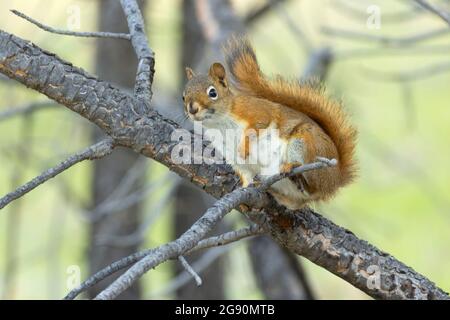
191,271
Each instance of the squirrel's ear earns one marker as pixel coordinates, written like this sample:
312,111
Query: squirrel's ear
217,72
189,73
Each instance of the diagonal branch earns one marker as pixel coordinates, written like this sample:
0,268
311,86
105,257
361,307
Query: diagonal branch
190,270
215,241
95,151
125,119
112,35
394,42
444,15
186,241
253,196
261,11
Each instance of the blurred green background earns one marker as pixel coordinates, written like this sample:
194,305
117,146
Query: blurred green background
400,202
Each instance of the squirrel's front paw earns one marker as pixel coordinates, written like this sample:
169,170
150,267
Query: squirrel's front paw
244,208
256,182
245,179
288,167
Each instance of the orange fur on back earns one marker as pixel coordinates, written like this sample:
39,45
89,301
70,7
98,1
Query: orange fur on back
328,114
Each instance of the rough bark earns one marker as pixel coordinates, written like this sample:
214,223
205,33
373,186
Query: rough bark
132,125
116,62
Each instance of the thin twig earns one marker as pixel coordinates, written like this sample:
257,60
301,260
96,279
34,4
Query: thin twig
95,151
199,265
358,13
253,196
224,239
321,163
410,75
184,243
121,190
388,41
191,271
444,15
26,109
294,27
261,11
139,234
228,237
396,51
112,35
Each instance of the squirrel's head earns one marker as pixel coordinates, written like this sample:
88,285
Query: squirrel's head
206,96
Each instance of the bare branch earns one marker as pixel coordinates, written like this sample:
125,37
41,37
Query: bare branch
224,239
410,75
397,51
296,30
145,55
228,237
139,235
96,151
396,16
131,125
321,163
26,109
444,15
200,265
261,11
191,271
388,41
253,196
186,241
73,33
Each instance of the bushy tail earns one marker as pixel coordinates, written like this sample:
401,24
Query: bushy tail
328,114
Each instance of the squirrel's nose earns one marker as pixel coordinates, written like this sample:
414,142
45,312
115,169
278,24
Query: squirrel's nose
192,109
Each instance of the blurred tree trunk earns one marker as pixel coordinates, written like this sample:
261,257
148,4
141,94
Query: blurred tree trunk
279,275
190,202
116,62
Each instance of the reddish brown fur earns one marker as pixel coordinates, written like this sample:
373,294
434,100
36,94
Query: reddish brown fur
328,114
296,111
260,113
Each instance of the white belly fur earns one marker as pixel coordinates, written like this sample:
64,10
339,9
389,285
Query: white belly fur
265,159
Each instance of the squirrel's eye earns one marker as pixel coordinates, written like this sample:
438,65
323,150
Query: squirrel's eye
212,92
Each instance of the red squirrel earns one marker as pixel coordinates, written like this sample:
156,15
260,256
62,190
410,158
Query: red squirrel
308,125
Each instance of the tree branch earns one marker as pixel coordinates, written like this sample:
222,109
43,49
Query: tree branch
95,151
145,55
261,11
253,196
112,35
387,41
190,270
199,265
125,120
186,241
444,15
215,241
